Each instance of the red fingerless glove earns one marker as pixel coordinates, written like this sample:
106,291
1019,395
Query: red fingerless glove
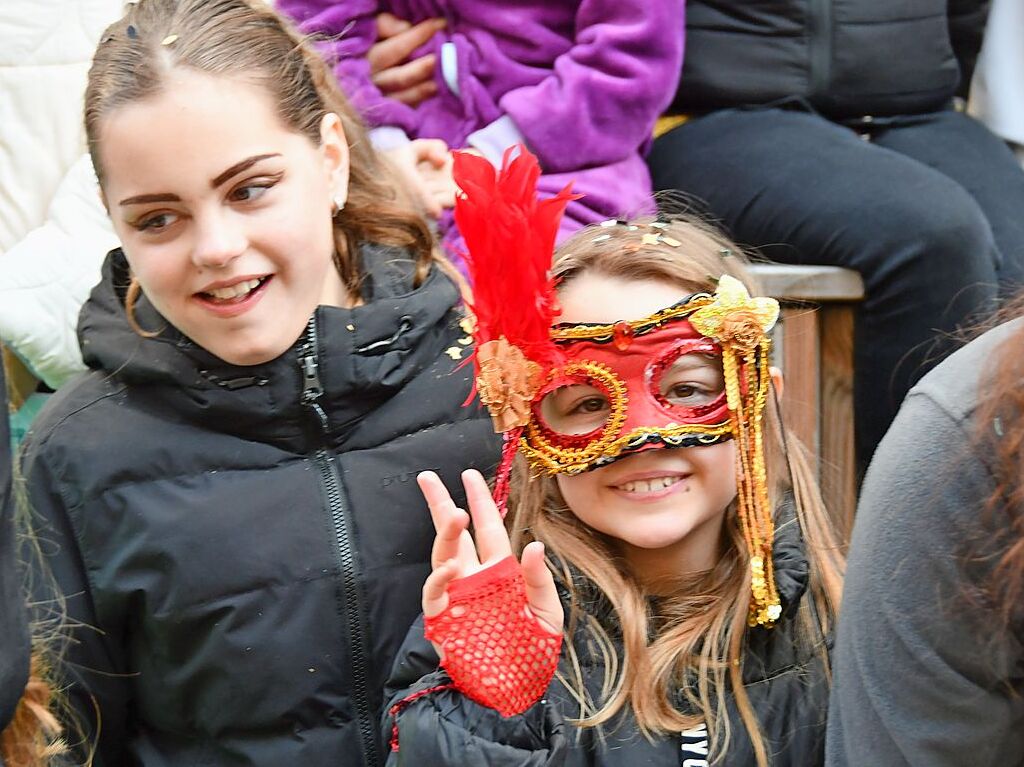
496,653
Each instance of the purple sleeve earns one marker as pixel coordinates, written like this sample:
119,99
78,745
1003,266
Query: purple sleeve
349,29
600,104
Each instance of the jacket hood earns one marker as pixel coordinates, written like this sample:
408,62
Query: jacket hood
363,354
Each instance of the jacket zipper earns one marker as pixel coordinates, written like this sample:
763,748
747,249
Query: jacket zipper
312,390
819,23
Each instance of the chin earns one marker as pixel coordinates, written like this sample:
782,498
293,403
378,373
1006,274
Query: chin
248,355
654,540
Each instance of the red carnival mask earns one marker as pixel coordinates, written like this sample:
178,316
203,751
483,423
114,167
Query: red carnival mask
627,387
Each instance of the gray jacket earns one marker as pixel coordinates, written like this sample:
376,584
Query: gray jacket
924,674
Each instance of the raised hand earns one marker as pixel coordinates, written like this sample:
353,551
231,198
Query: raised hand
456,554
495,622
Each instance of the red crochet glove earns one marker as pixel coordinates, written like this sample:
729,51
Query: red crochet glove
496,653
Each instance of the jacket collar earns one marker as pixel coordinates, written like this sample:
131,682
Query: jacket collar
364,354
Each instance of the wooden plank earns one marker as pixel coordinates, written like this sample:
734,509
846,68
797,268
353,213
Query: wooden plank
838,464
800,370
808,283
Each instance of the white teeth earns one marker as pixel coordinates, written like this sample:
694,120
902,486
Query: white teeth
234,291
649,485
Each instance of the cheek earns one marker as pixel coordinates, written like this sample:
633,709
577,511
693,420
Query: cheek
579,492
152,274
717,464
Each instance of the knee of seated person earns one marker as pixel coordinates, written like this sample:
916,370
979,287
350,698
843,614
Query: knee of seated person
943,242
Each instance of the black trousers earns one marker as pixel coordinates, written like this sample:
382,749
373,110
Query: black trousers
929,209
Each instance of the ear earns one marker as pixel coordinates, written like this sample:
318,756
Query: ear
334,146
777,380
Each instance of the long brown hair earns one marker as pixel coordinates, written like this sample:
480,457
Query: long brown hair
250,41
1000,424
695,639
32,738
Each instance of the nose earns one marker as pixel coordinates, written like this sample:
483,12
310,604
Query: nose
219,240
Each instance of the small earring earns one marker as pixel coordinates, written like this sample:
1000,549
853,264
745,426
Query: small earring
337,203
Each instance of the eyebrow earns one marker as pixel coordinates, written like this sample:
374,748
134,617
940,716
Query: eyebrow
141,198
238,167
234,170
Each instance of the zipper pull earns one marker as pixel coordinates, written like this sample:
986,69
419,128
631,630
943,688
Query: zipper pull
311,386
312,389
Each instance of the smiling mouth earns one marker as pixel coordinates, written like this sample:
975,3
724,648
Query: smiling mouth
652,485
236,293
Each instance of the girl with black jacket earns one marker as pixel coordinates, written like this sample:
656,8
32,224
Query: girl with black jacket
690,570
227,494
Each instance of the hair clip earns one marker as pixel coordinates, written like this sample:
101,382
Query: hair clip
168,40
659,224
650,239
602,238
132,32
725,252
609,222
671,241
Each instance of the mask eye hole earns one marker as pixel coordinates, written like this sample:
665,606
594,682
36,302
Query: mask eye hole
576,408
692,380
689,379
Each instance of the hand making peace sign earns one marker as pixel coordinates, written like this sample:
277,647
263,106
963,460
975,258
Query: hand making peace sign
457,553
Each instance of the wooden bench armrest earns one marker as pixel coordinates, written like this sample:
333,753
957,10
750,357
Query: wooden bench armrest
821,284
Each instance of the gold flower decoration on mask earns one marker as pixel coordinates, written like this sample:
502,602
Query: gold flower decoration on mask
734,318
507,383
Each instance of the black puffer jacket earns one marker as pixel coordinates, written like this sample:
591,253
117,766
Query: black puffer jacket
785,679
14,642
848,58
249,542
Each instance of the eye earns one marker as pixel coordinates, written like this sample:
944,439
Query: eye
589,405
683,391
254,189
575,408
156,223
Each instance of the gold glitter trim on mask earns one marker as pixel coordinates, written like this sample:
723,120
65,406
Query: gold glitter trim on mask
605,332
551,459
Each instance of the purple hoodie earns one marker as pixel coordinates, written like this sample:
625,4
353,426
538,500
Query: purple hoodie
580,83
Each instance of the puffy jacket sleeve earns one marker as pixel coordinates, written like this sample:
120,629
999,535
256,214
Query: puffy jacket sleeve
600,103
348,29
428,721
91,667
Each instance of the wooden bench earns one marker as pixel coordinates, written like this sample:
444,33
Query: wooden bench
814,348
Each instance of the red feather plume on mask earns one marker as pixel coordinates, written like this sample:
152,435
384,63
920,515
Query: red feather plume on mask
510,237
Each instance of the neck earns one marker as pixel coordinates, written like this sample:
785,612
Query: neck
660,569
336,293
